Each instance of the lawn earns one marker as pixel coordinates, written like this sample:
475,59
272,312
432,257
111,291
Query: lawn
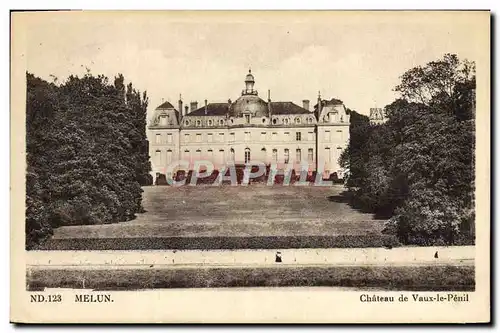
236,211
256,216
421,278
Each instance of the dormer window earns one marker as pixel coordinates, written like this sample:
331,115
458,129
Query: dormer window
163,120
286,121
247,118
297,120
332,117
221,122
198,123
186,122
210,122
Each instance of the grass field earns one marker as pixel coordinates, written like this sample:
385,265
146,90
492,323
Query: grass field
409,278
227,217
226,211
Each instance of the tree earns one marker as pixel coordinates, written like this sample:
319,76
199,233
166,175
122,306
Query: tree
87,153
418,167
436,81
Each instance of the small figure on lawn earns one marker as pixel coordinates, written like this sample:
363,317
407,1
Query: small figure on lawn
278,256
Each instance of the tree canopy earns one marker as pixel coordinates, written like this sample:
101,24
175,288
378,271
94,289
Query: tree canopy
87,153
417,168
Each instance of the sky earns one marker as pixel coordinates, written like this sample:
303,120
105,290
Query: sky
357,57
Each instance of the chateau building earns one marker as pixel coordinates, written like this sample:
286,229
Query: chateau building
250,129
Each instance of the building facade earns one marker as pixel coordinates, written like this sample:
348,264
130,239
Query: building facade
250,129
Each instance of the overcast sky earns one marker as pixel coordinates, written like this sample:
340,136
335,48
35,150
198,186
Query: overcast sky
356,57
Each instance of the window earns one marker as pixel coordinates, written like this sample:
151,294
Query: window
158,157
327,136
339,152
247,155
287,136
298,156
287,155
187,155
263,154
232,154
163,120
310,136
263,136
247,136
339,134
198,123
221,137
186,122
286,121
210,122
298,136
221,122
275,136
198,154
310,155
169,156
275,155
231,137
198,137
221,156
327,156
331,116
186,137
275,121
297,120
247,118
210,154
309,120
169,137
158,138
263,120
210,137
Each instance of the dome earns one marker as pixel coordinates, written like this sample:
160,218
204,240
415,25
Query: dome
249,78
249,104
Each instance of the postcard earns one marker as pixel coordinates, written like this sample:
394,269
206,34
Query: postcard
250,167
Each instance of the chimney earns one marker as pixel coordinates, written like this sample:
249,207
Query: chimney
194,106
320,106
305,104
180,104
206,107
269,103
186,110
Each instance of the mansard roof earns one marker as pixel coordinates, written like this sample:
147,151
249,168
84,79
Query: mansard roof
221,109
287,108
333,101
165,105
213,109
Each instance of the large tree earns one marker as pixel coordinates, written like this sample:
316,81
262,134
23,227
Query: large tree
86,162
419,165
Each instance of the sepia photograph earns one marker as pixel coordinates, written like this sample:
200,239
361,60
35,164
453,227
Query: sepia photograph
246,153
